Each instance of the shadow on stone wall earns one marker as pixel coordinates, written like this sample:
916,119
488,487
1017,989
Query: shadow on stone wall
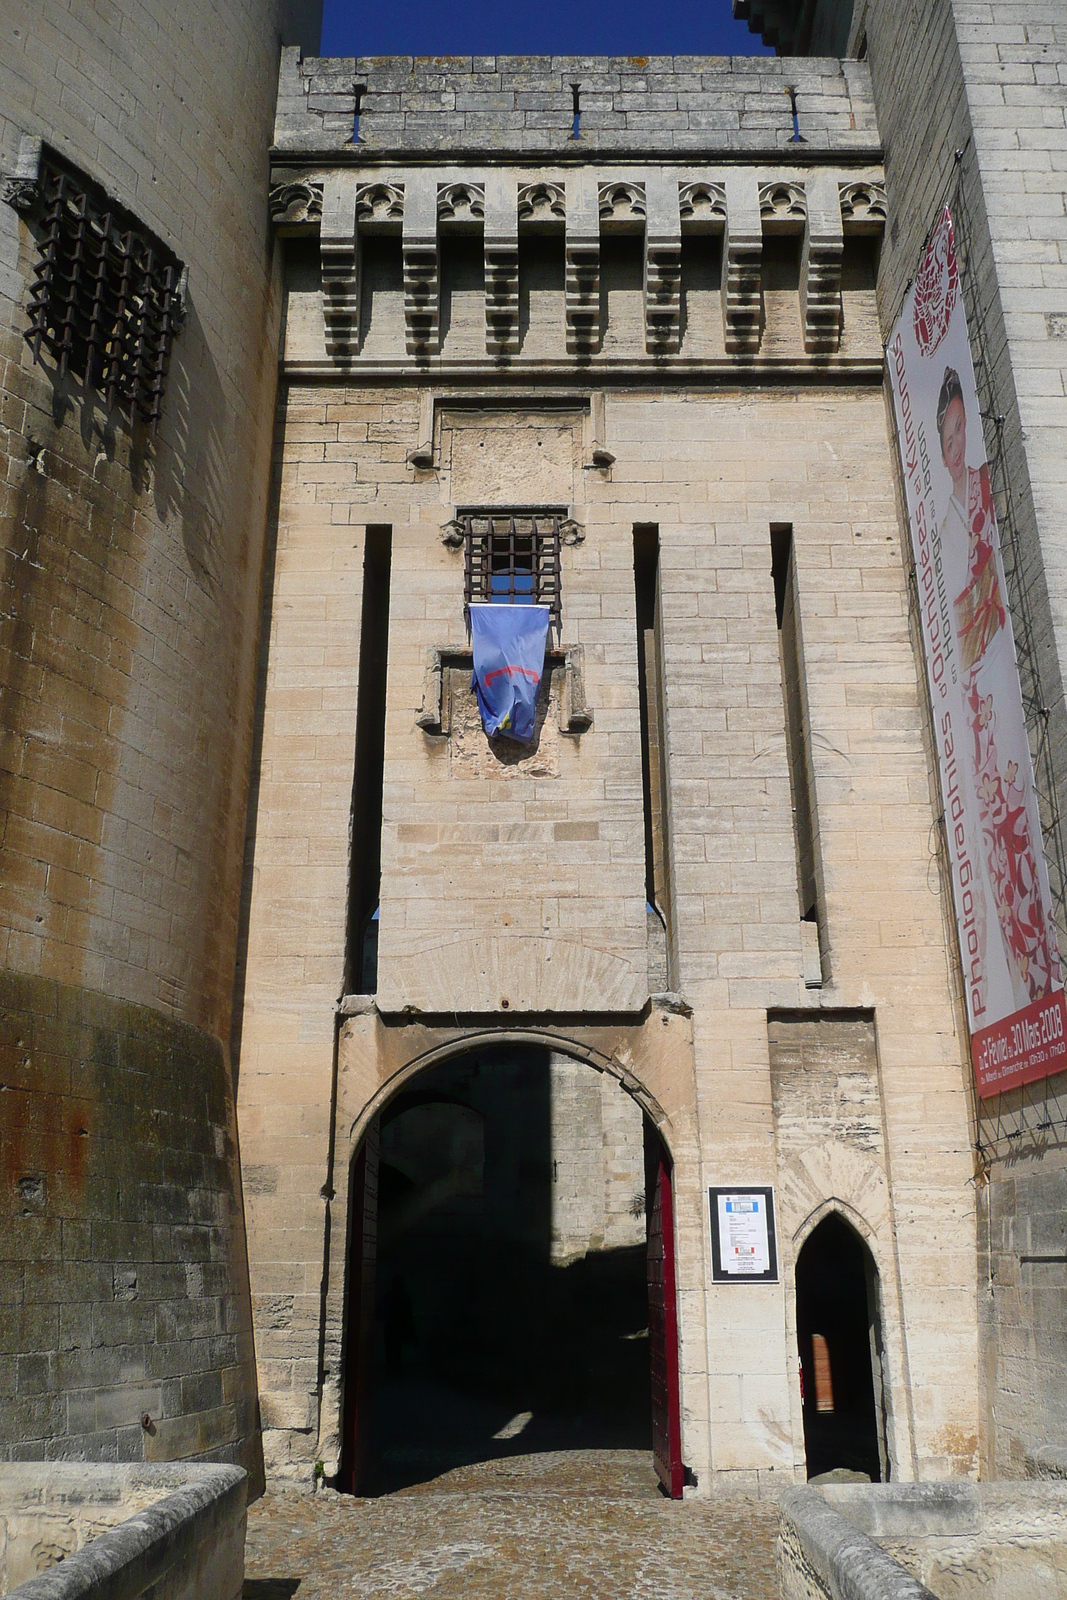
126,1329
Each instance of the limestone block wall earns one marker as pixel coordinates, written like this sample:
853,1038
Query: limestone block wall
524,103
971,101
130,573
990,82
643,330
598,1179
1022,1261
188,1539
507,888
713,472
703,469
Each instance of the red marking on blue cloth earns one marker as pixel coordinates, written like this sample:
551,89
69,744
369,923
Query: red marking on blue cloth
509,672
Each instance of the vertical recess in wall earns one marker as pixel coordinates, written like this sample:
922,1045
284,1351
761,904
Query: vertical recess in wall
798,745
360,1286
365,874
661,964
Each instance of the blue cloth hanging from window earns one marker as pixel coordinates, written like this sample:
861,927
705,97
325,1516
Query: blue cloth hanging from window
509,659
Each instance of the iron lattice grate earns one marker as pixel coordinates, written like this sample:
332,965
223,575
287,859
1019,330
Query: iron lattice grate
107,297
513,558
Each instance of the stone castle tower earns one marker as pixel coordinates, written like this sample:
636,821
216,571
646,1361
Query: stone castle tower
132,563
509,1025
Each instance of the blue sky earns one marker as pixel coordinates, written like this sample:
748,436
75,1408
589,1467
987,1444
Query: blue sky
546,27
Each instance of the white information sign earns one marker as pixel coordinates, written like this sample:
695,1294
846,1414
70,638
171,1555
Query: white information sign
742,1235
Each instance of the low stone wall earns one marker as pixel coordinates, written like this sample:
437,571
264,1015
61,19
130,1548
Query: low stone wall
101,1532
1047,1461
925,1541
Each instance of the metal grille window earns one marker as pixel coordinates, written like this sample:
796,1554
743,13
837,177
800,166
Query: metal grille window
512,558
107,296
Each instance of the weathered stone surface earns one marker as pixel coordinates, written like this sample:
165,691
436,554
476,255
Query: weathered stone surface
918,1540
524,103
514,1529
130,569
106,1531
123,1238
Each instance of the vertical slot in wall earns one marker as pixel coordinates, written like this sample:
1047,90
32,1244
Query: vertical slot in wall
658,899
365,845
798,747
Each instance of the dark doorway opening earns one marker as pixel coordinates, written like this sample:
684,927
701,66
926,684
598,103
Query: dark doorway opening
839,1334
502,1306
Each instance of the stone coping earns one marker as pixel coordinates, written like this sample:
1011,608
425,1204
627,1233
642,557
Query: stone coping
849,1563
1047,1461
827,1543
508,105
136,1554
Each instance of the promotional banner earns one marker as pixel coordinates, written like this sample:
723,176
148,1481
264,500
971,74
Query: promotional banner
508,642
1011,966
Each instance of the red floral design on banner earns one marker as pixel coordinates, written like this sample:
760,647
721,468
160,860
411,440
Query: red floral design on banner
1009,849
937,286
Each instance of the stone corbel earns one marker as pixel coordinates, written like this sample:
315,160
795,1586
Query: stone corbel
571,532
453,533
430,718
339,263
21,189
820,268
742,267
663,265
422,289
599,454
575,714
422,455
501,244
582,297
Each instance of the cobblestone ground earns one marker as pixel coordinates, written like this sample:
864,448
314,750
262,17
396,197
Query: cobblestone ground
570,1526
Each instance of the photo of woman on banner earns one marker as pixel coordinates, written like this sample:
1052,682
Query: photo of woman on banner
987,660
1009,954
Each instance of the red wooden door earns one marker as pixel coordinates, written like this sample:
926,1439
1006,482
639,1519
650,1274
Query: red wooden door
663,1328
359,1310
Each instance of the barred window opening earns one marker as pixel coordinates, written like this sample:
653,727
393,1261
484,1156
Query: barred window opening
106,299
513,558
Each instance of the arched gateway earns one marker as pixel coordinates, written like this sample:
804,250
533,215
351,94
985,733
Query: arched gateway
510,1276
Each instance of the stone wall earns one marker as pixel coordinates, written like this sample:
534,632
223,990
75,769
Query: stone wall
174,1533
455,105
990,82
512,889
130,575
698,466
1022,1278
126,1325
972,105
598,1179
918,1541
